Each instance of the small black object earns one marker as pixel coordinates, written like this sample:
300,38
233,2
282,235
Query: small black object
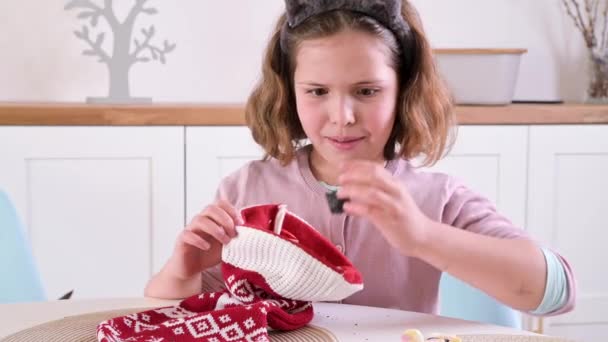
67,295
336,205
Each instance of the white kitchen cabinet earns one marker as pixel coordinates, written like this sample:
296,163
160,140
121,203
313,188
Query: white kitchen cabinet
101,205
567,206
211,154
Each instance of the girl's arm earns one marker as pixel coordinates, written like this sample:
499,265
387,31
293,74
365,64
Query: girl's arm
511,270
167,286
197,253
466,237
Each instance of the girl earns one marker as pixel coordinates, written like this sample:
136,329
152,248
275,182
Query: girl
357,80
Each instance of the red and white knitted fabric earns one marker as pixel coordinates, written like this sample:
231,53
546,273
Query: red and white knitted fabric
273,271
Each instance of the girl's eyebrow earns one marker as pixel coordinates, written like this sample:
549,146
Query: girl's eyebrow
309,83
370,82
365,82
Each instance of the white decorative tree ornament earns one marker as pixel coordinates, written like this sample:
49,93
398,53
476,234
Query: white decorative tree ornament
126,51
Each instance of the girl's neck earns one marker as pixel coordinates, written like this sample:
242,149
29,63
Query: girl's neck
322,169
326,171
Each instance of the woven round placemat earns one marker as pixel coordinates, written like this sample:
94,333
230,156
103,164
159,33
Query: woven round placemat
83,328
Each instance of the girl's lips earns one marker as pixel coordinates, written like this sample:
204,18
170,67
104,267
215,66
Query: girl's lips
345,143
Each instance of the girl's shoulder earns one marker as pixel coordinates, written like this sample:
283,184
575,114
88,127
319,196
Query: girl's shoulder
261,171
448,199
258,169
431,182
425,177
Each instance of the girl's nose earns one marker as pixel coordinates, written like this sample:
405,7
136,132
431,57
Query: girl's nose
341,112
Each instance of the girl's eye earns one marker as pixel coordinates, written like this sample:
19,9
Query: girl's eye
317,91
367,92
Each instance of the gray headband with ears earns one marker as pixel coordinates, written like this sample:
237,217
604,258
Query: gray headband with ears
386,12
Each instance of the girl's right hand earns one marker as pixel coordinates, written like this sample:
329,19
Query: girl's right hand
199,246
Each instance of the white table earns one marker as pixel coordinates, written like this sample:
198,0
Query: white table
346,322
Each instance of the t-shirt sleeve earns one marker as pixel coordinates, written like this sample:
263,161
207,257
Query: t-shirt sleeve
467,209
557,298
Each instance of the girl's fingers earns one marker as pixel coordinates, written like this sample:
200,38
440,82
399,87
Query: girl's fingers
356,209
191,238
365,194
374,213
221,218
206,225
232,211
369,202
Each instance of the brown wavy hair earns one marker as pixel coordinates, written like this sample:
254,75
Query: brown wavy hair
424,112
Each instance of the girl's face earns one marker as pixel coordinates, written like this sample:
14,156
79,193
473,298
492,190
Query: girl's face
346,94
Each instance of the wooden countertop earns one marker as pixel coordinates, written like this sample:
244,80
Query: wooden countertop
186,114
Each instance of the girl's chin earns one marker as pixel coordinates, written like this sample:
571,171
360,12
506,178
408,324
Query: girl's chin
329,152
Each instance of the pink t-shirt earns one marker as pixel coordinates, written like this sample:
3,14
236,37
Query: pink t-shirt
391,279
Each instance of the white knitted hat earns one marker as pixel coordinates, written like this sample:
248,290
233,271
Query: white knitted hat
292,258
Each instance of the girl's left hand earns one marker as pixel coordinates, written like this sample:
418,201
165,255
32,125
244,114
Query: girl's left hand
375,194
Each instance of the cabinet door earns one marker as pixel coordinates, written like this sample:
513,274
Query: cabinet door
211,154
101,205
492,161
567,208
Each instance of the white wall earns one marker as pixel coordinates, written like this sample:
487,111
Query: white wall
555,65
219,46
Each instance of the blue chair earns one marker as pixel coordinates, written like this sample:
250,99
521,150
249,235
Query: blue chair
20,280
460,300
